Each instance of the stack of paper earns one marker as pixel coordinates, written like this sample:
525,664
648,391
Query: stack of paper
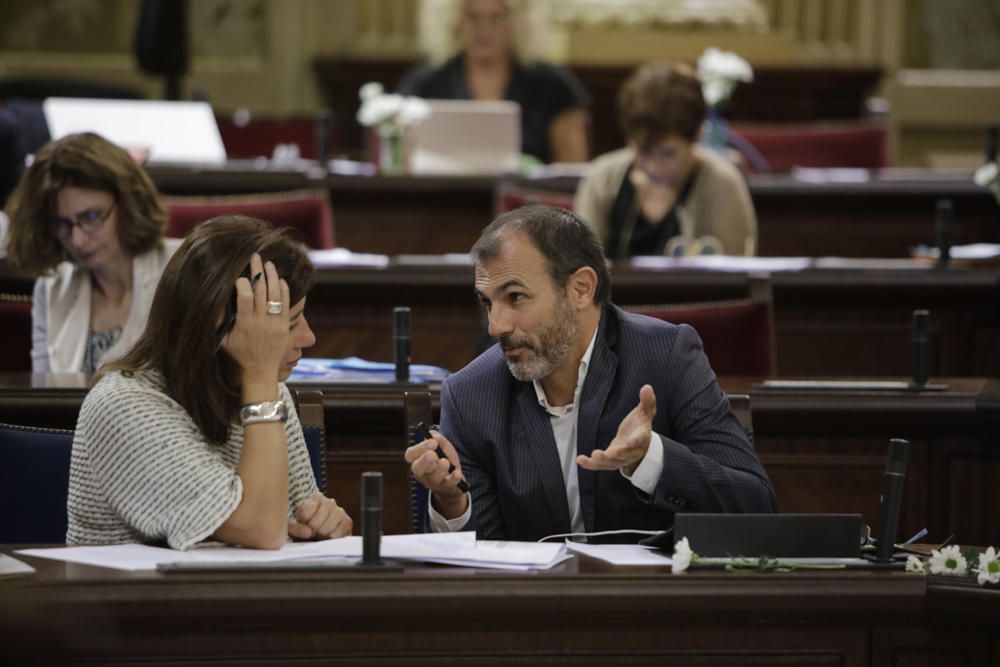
450,548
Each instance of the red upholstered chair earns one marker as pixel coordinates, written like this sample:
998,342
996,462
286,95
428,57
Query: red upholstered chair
511,195
738,334
828,144
306,210
15,333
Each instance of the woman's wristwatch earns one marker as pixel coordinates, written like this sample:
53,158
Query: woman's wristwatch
263,413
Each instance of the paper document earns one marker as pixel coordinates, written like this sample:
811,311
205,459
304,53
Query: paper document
451,548
621,554
332,257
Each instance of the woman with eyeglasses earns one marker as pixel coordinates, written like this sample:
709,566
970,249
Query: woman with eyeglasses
490,50
664,193
87,223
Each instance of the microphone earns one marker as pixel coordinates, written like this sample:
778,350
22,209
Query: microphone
892,497
371,518
401,339
944,226
921,344
991,143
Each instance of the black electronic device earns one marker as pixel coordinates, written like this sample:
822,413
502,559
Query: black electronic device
401,342
921,344
892,498
774,535
420,432
371,517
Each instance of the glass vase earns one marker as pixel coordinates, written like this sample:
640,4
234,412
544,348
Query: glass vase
391,153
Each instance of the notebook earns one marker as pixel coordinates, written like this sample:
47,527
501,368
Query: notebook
461,137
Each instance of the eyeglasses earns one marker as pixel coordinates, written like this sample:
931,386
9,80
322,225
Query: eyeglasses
89,221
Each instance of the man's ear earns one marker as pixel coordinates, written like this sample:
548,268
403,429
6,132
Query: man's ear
582,286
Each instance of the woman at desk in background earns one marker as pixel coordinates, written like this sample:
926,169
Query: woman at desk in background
663,193
87,223
193,434
496,43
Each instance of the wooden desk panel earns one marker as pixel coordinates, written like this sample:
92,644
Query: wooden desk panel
885,216
581,612
824,451
827,322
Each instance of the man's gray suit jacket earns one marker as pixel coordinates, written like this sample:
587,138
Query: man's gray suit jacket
509,455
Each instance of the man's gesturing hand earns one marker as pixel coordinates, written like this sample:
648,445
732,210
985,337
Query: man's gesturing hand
629,447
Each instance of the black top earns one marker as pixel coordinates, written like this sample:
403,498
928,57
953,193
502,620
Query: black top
543,90
631,234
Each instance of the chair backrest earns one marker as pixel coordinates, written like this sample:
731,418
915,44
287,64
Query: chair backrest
34,484
306,210
738,335
783,146
309,406
510,195
15,334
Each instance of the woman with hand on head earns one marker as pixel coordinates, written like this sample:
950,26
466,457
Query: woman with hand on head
489,50
87,223
192,435
663,193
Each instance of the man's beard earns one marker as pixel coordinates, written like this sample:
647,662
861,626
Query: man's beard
535,363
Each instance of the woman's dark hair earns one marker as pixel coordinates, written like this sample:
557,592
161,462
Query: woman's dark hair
194,296
660,100
564,239
89,161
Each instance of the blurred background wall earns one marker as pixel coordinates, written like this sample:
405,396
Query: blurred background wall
939,61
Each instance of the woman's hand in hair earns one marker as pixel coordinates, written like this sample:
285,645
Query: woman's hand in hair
259,339
320,518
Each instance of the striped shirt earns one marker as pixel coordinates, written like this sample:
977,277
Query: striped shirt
142,471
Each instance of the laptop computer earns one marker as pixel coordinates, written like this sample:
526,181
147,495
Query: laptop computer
462,137
169,132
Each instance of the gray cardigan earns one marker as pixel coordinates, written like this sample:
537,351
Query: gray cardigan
719,204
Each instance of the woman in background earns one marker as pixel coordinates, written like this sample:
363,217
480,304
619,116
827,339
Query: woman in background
663,193
87,223
193,434
488,50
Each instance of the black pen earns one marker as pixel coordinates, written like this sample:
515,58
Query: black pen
418,433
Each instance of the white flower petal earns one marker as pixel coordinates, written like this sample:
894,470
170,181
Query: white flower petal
682,556
914,564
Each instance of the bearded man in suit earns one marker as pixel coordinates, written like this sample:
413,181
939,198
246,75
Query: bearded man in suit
582,418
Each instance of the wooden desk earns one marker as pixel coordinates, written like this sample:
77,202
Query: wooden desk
854,321
582,612
885,216
824,451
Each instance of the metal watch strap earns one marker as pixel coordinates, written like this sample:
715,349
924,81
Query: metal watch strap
264,412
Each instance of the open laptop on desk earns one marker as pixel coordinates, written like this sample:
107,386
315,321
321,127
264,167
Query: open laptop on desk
463,137
171,132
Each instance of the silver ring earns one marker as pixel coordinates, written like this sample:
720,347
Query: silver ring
275,307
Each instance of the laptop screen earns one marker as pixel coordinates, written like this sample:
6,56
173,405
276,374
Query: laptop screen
170,132
466,137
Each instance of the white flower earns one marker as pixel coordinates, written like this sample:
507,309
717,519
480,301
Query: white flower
413,111
370,90
719,72
986,175
949,561
989,567
914,564
682,556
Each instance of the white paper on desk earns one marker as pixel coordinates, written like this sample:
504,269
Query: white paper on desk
333,257
456,548
621,554
724,263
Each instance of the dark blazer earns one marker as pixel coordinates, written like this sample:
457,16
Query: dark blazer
509,454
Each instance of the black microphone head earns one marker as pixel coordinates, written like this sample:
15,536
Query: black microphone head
899,454
371,490
921,324
401,321
991,142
